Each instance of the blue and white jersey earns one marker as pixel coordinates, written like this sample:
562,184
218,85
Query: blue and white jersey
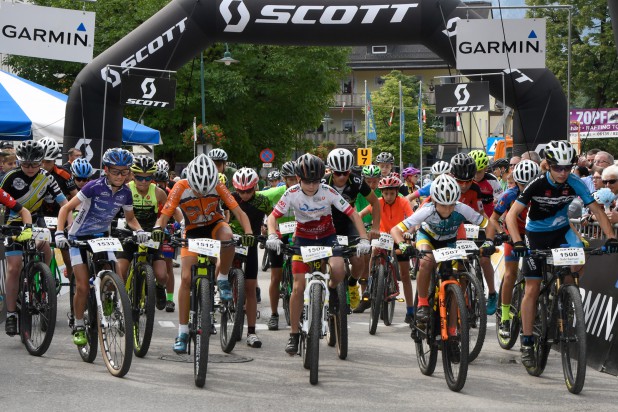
549,201
425,190
99,207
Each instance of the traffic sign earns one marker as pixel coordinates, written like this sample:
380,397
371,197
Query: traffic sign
267,156
363,156
267,165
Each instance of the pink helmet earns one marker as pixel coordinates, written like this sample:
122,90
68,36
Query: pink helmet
410,171
389,182
245,179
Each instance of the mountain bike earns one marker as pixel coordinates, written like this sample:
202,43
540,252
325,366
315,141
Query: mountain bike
108,312
36,299
559,316
382,286
446,306
515,313
233,311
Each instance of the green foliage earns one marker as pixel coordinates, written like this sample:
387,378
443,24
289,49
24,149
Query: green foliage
593,51
383,101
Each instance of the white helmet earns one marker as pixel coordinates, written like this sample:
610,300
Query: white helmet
51,148
218,154
561,153
202,174
445,190
440,167
162,165
245,178
340,160
524,171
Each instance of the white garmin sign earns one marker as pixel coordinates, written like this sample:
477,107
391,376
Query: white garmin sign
46,32
482,44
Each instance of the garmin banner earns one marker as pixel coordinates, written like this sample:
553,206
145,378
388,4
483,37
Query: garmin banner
462,97
183,28
46,32
146,91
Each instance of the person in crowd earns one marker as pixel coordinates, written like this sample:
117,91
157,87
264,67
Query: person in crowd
531,155
73,153
500,169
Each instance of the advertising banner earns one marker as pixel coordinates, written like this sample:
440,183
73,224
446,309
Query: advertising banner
593,123
463,97
46,32
157,92
485,44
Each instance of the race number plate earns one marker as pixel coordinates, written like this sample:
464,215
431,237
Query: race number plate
51,221
472,231
466,245
41,234
287,227
568,256
342,240
105,244
206,247
385,241
241,250
151,244
311,253
448,253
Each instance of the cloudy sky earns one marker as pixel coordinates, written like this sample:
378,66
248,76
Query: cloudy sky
511,14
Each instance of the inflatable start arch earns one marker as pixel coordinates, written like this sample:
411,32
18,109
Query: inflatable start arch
179,31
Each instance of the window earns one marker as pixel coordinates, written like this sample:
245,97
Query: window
346,86
348,126
379,49
379,81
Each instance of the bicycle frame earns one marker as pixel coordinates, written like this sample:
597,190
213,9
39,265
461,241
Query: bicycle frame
444,270
311,278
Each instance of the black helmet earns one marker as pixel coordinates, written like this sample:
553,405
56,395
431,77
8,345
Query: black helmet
500,163
310,167
288,169
463,167
161,176
30,151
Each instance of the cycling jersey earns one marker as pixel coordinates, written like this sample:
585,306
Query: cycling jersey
99,207
394,213
472,198
198,210
439,228
8,201
490,190
549,201
256,208
313,213
350,191
30,192
423,191
146,208
65,183
504,204
273,195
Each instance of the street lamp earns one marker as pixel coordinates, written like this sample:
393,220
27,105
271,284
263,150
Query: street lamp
227,57
326,120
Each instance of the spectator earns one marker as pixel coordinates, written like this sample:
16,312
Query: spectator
590,157
610,180
581,171
531,155
74,153
597,181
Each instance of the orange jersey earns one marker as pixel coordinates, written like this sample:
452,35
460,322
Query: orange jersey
393,214
198,210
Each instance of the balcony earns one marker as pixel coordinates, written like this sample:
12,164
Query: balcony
449,137
352,100
340,138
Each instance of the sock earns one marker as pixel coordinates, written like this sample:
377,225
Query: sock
423,301
170,297
222,277
9,314
79,322
352,281
452,331
183,328
527,340
410,310
250,330
506,312
275,315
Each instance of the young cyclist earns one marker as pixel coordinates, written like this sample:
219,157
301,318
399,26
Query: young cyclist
312,201
198,197
385,162
274,178
82,172
437,169
257,207
394,210
500,169
410,177
100,201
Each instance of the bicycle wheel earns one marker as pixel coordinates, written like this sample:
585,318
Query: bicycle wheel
88,352
425,341
388,305
315,331
377,297
141,291
115,325
477,315
265,261
232,312
455,350
540,330
38,308
572,338
286,291
202,331
508,343
341,321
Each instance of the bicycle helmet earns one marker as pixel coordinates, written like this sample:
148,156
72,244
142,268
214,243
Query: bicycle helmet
287,170
245,178
202,174
500,163
217,154
274,175
161,176
145,164
30,151
395,174
231,165
310,167
463,167
604,196
81,168
410,171
389,182
525,171
440,167
340,160
222,179
371,171
385,157
561,153
117,157
445,190
163,165
183,173
51,148
480,158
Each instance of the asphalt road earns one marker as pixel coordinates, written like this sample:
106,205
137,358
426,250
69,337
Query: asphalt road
381,372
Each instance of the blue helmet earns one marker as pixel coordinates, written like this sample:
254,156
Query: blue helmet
81,168
117,157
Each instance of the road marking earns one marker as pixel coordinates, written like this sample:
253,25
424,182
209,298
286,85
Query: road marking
166,324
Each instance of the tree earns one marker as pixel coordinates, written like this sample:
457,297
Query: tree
383,101
593,53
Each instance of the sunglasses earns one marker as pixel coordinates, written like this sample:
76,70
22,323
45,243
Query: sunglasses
560,169
342,173
610,181
80,179
31,165
116,172
512,165
311,182
143,178
463,182
244,192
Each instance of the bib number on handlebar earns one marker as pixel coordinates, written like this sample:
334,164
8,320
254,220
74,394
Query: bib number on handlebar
385,241
105,244
51,221
448,253
287,227
466,245
41,234
311,253
472,231
206,247
568,256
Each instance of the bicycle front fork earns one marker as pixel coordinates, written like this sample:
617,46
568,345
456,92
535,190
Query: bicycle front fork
322,280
